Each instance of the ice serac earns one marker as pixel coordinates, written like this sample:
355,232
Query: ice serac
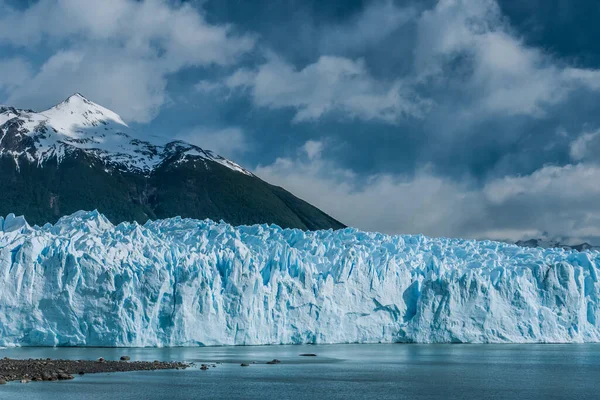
180,282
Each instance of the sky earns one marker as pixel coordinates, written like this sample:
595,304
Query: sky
456,118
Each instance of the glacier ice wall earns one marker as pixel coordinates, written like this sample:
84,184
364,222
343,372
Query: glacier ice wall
179,282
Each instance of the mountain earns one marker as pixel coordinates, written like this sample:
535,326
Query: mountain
80,155
555,244
184,282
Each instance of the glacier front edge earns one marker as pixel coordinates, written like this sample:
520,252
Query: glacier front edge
183,282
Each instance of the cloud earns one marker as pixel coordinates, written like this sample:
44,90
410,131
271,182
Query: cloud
377,21
132,87
330,85
472,125
228,142
465,63
119,52
313,149
554,201
13,72
470,44
586,147
422,203
207,86
560,200
179,33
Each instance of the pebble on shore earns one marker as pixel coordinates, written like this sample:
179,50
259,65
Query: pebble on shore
55,370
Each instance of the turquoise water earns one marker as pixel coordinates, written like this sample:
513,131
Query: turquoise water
338,372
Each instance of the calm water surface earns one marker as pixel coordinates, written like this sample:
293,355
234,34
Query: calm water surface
338,372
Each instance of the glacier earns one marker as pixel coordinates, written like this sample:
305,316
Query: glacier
181,282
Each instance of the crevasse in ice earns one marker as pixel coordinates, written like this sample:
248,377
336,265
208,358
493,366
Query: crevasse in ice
180,282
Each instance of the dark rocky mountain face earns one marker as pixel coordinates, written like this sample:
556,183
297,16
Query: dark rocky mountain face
547,244
81,156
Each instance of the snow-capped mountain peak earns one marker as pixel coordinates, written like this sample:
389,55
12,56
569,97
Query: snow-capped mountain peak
78,124
77,111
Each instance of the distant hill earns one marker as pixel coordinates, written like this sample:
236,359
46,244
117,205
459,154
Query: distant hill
79,155
547,244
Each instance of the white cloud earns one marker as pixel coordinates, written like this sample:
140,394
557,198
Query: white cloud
461,46
118,52
132,87
553,201
313,149
559,200
589,78
179,32
378,21
207,86
586,146
570,185
13,72
466,61
502,74
385,203
227,142
331,84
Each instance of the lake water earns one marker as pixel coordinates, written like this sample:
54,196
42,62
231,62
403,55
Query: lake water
396,371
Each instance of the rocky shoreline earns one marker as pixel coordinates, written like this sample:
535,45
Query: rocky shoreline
53,370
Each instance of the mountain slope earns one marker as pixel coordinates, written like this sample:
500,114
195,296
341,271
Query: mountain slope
79,155
555,244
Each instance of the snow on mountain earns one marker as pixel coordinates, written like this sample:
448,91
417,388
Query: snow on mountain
550,243
78,123
83,281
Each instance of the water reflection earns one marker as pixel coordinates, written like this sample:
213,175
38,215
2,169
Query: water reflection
339,371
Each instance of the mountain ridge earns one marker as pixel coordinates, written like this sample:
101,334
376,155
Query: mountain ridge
80,123
554,244
80,155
